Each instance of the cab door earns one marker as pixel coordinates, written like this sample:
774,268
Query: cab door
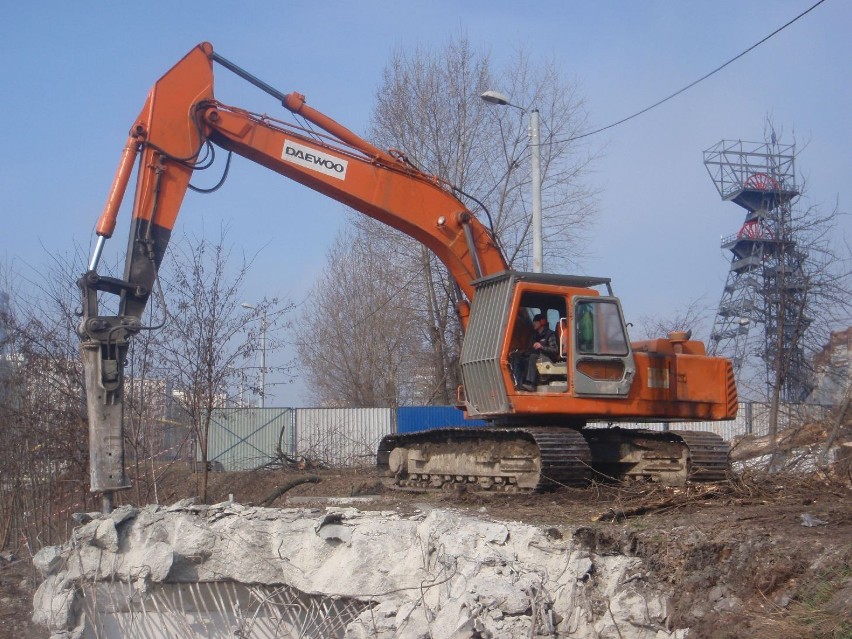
602,359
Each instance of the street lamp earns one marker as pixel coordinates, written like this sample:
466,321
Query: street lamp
495,97
252,307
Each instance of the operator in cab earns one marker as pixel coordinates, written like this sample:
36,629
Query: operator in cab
544,345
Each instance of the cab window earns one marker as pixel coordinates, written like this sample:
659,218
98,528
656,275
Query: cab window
533,303
599,329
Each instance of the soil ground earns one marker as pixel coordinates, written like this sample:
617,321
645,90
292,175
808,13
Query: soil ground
757,556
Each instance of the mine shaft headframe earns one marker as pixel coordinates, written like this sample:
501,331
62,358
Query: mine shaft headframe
753,174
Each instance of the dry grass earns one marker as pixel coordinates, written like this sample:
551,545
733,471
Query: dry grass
820,609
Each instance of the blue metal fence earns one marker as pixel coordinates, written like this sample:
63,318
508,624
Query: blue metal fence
411,419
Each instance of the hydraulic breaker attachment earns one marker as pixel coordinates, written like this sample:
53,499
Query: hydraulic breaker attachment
105,341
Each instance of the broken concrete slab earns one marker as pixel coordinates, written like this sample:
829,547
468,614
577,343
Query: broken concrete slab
437,573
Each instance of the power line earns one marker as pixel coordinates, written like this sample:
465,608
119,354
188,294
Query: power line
692,84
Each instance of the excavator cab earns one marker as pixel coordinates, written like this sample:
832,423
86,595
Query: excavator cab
594,358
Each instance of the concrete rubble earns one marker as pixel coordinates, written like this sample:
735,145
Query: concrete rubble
435,573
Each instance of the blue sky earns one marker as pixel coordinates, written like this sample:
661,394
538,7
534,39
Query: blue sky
74,75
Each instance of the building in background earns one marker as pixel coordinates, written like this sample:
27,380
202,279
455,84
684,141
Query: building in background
833,370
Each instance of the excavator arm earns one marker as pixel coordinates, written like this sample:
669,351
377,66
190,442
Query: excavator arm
181,116
170,140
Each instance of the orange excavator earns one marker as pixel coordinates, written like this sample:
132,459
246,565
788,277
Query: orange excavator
539,433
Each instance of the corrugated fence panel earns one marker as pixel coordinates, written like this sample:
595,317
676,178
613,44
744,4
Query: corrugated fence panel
342,436
411,419
247,438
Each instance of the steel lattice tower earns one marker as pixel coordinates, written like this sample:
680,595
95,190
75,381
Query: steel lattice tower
766,283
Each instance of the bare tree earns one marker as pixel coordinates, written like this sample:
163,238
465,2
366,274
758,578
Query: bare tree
807,295
357,339
148,417
690,318
44,457
428,107
207,337
812,297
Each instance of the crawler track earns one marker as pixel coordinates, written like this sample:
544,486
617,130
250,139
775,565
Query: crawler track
507,459
670,457
709,455
523,459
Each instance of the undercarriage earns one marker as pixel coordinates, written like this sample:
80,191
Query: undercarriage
525,459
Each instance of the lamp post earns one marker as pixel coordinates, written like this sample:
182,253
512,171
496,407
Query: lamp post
262,351
495,97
